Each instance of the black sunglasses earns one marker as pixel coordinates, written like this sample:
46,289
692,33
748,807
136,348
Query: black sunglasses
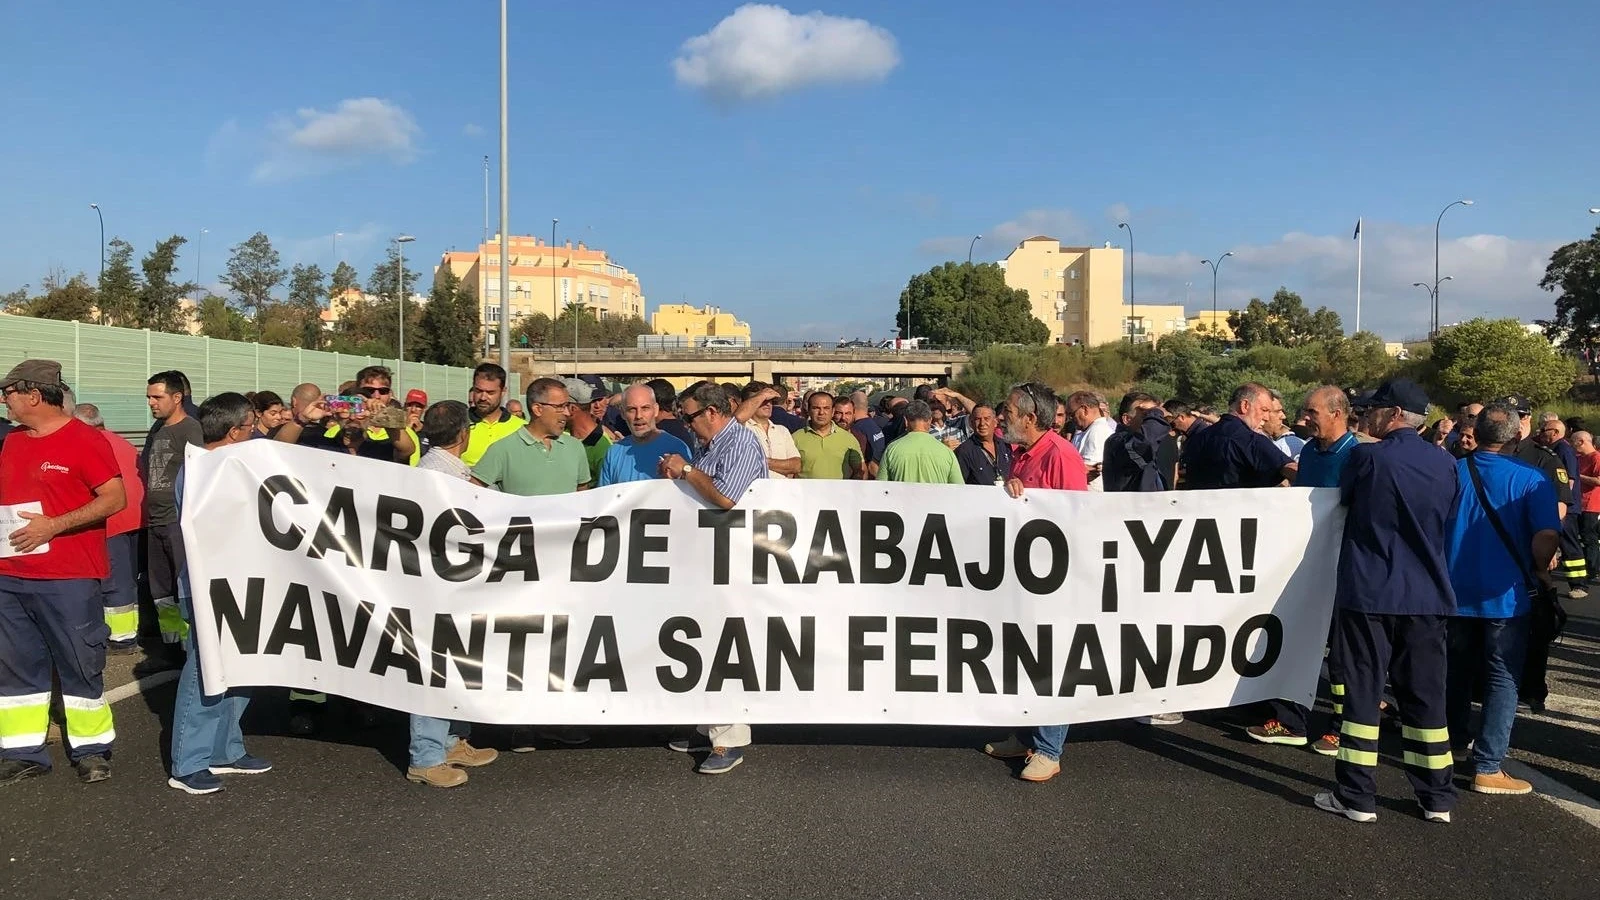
373,391
696,414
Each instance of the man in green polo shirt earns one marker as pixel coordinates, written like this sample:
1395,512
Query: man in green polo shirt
919,457
541,458
490,420
827,451
584,425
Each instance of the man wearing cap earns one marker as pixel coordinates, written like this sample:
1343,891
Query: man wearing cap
416,405
583,424
1392,598
491,421
51,617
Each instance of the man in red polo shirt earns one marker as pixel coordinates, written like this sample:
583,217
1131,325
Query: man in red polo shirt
120,590
51,566
1043,460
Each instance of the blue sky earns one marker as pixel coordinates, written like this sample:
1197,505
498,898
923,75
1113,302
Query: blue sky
800,184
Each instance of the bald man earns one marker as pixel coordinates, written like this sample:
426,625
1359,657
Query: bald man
635,457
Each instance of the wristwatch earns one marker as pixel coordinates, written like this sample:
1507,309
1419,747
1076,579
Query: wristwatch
687,468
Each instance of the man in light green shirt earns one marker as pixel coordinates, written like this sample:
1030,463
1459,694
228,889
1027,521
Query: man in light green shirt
826,450
540,458
917,456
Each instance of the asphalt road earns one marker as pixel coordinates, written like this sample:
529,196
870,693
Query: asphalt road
1190,812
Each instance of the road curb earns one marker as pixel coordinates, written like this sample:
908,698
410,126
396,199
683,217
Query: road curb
1565,798
139,686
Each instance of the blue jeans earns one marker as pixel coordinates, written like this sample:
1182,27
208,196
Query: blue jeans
1487,652
205,730
1046,740
432,738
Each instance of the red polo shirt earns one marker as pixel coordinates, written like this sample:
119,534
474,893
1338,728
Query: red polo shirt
61,471
131,518
1051,463
1590,466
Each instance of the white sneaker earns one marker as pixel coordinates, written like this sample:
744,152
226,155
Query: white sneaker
1432,815
1162,719
1328,802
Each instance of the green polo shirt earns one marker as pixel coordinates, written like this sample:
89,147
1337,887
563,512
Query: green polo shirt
521,464
920,458
823,456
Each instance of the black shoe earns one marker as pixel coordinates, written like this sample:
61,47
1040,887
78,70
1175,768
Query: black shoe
15,770
121,648
305,717
92,769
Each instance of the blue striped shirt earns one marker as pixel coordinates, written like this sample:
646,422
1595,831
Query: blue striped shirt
733,460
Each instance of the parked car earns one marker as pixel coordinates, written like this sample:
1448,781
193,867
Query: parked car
722,343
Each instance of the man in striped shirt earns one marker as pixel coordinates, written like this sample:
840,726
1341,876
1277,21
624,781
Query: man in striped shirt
730,459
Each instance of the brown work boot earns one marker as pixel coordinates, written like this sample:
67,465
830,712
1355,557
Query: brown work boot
441,776
466,755
1500,783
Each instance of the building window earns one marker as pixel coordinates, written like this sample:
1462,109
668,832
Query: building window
1047,273
1073,274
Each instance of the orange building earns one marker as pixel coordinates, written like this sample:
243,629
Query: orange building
545,279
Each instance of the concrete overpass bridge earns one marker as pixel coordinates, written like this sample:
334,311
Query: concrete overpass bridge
741,364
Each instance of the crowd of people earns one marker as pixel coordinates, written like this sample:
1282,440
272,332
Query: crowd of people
1444,597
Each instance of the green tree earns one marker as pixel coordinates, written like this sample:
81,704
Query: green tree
382,282
120,286
534,330
345,279
253,273
1284,321
992,372
64,299
1356,361
219,320
448,343
1574,271
161,299
16,302
306,291
1483,359
968,304
468,319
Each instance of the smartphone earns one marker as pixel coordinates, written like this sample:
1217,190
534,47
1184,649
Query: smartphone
345,405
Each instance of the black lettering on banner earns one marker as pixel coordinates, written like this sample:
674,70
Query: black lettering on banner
1015,651
720,521
347,644
641,542
1190,671
1205,539
290,538
438,546
1051,581
906,651
828,550
610,549
935,537
347,539
1108,586
1270,626
397,647
556,680
1136,657
733,659
988,581
764,548
517,629
873,546
601,659
781,652
403,535
1152,549
1085,644
860,651
515,553
243,624
679,650
467,655
296,608
963,657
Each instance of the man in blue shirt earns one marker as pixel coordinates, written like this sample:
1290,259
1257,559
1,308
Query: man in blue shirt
1234,453
1392,595
1322,461
1489,633
637,456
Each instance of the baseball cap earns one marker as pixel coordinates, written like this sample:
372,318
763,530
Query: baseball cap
36,371
1403,393
416,396
1361,400
582,391
1518,403
596,382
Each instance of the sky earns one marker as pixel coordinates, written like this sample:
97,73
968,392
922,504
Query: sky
797,165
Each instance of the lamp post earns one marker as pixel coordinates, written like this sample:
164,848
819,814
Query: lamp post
102,216
1433,298
1436,278
336,236
1130,279
1213,265
1594,210
199,251
400,279
505,205
972,315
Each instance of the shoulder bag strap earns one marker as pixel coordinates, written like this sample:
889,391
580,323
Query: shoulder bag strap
1499,527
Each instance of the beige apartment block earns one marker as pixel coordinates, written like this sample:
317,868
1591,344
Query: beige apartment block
546,279
691,321
1078,293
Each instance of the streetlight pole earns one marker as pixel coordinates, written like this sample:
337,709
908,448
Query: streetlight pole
1130,280
400,279
1436,278
336,236
102,216
199,251
1213,265
1433,296
486,198
972,315
505,207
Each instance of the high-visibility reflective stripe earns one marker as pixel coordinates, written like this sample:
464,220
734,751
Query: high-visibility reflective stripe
170,620
1425,735
88,720
21,741
312,696
1338,708
1358,757
123,621
85,704
1357,730
42,698
24,720
90,740
1429,760
1336,689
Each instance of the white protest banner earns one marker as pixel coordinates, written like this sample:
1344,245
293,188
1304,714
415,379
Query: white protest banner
809,602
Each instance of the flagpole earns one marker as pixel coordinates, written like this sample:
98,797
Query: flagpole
1358,275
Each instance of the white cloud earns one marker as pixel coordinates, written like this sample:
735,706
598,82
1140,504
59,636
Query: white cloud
314,141
762,50
1118,212
472,129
